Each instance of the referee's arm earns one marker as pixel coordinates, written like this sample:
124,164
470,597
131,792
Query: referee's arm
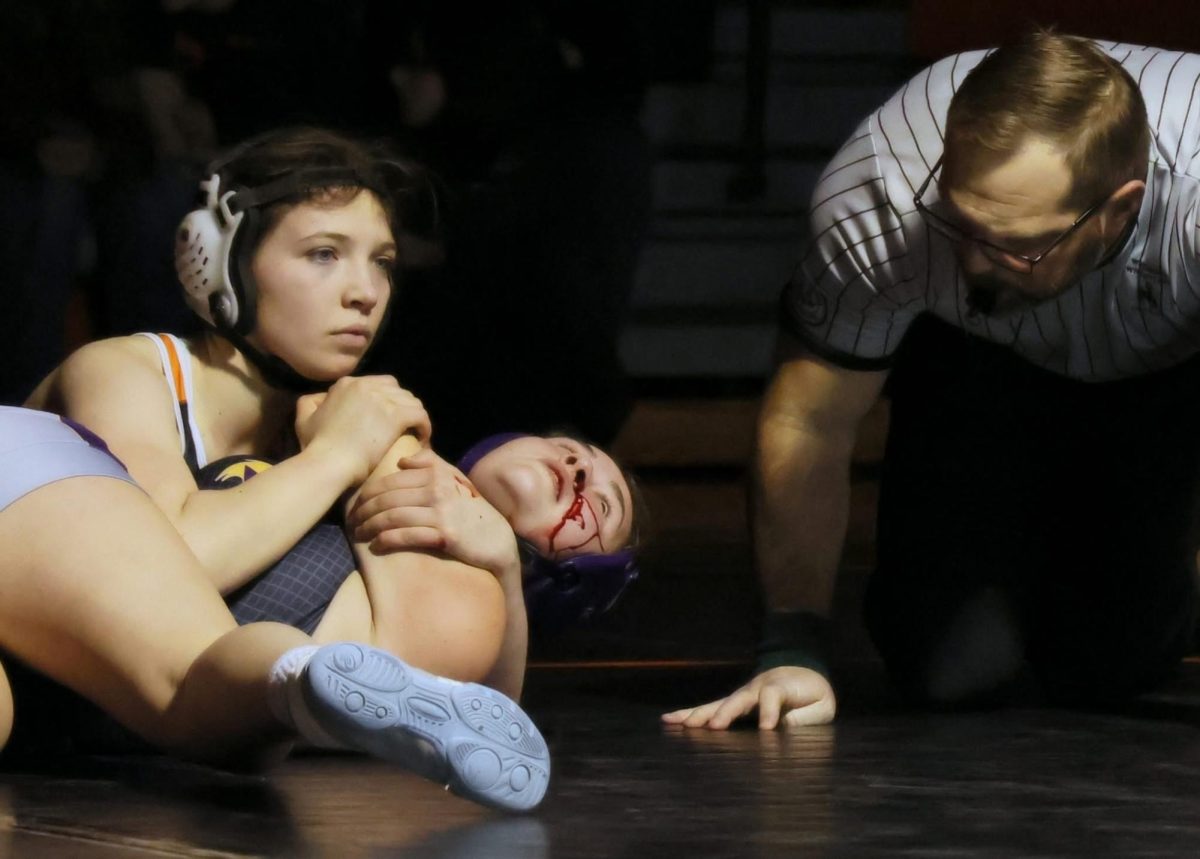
806,434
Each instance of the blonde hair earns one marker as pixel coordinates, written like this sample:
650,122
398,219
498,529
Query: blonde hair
1065,90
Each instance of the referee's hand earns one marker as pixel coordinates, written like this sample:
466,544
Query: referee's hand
785,697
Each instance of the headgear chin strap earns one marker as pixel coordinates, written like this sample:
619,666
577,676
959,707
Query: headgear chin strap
213,248
278,372
560,594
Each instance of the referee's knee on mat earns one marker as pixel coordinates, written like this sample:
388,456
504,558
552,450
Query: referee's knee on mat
971,662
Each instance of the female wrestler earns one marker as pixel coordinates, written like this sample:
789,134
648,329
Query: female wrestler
99,592
290,263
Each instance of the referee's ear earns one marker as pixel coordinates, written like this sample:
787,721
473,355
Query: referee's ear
1121,209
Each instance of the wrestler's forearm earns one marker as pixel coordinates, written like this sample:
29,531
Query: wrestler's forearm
237,533
115,388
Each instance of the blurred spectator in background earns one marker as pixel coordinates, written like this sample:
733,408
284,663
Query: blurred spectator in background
529,109
530,112
265,64
99,143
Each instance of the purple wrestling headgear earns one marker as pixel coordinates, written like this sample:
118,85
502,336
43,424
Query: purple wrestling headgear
559,594
481,449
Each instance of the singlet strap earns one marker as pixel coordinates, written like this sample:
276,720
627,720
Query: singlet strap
177,368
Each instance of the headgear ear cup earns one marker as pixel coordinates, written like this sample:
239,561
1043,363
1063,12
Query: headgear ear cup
241,277
561,594
203,252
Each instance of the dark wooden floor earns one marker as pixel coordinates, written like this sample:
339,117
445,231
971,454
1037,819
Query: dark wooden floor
882,782
1026,781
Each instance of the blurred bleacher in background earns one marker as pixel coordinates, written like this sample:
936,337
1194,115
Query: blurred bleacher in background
738,152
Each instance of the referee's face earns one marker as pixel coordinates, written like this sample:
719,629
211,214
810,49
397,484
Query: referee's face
1018,205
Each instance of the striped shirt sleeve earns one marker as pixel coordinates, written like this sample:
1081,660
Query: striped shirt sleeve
842,302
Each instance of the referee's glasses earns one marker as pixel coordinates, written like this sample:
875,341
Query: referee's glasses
1001,256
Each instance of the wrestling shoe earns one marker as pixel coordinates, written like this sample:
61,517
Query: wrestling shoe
471,738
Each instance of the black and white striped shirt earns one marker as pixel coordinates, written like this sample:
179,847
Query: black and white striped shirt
873,265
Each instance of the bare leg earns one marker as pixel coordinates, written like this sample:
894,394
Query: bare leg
444,619
120,611
439,614
99,592
6,708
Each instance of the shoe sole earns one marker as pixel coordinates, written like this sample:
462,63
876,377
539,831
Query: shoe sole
485,748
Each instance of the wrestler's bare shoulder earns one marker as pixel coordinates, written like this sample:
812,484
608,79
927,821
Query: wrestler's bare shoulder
115,364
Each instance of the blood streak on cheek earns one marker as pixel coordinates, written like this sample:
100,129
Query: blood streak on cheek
575,514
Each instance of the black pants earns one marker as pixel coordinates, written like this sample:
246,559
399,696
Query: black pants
1030,519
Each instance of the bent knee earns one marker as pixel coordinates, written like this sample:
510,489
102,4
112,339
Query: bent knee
6,709
456,621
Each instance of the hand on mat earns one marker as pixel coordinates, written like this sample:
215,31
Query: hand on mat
785,697
358,419
430,504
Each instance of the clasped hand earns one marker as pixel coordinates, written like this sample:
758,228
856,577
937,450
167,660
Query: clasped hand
358,419
430,504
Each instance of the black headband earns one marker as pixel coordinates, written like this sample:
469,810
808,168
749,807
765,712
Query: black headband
300,183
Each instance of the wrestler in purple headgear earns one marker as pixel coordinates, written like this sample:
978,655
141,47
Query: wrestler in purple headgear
570,505
579,559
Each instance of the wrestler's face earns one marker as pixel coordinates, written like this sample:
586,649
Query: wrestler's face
565,497
1020,204
324,279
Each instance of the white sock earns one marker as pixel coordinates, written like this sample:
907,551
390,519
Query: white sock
286,700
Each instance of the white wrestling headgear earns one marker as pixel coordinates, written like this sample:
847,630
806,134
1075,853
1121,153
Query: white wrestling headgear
203,248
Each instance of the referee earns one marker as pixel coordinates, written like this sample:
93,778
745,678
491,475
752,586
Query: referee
1010,243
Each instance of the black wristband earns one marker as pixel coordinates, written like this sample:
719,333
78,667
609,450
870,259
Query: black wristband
798,638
